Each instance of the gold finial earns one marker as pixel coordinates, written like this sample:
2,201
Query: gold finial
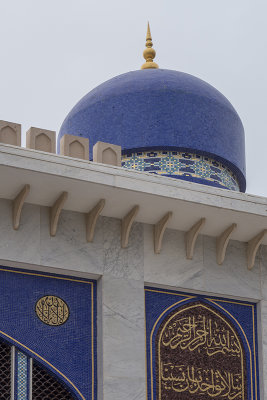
149,53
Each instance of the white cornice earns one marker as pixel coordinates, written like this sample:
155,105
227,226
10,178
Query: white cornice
86,183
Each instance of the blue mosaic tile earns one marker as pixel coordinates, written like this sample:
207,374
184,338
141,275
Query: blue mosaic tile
22,376
156,108
52,319
182,164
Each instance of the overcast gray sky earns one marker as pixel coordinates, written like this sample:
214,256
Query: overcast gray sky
54,51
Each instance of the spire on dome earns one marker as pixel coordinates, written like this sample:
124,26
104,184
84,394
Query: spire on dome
149,53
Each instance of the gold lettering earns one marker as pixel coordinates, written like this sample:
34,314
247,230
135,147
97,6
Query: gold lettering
215,368
182,378
52,310
194,333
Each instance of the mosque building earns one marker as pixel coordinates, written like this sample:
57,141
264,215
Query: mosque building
133,263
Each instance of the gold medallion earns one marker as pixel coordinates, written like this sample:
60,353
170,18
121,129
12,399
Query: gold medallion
52,310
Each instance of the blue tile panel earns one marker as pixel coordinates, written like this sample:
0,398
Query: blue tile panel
200,346
22,378
182,165
52,319
164,109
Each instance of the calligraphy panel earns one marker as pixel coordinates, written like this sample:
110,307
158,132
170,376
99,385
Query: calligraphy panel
199,353
200,347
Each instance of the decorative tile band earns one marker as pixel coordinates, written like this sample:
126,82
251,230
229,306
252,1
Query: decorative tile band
180,164
22,376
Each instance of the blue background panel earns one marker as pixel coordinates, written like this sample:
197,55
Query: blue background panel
68,350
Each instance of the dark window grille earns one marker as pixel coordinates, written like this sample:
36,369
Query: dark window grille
46,386
5,371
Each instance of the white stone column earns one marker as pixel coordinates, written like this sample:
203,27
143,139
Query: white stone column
123,332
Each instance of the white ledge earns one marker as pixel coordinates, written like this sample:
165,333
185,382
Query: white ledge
87,182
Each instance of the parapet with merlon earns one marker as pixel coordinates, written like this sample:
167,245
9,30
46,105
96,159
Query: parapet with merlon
70,145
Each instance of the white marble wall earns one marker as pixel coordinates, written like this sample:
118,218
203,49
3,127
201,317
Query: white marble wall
171,268
22,245
121,275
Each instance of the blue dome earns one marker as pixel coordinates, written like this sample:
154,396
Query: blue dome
161,109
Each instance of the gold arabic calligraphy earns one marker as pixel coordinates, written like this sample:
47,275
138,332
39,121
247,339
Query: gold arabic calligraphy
199,354
200,333
181,378
52,310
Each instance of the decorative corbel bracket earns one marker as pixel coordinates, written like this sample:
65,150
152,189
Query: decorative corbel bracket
18,204
191,237
55,212
126,225
91,219
159,230
222,243
253,246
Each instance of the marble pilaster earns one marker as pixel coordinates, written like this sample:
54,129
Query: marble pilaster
123,314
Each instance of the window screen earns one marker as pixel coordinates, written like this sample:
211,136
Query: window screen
46,386
5,371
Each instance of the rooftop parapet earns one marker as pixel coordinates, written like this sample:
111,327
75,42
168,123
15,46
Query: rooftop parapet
71,146
10,133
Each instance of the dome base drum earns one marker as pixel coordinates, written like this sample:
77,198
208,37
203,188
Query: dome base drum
182,165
